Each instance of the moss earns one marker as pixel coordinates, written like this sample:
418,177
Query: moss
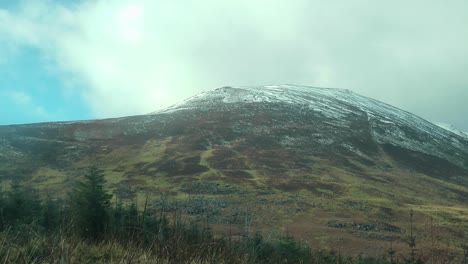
46,178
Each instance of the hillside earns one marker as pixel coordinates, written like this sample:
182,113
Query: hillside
329,166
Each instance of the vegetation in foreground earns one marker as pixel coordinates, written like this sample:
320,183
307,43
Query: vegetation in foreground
87,228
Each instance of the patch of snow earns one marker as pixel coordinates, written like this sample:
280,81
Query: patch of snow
386,122
452,129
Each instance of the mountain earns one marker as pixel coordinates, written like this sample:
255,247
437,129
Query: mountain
332,167
453,129
376,123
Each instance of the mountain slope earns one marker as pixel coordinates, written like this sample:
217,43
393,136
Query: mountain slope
321,162
386,124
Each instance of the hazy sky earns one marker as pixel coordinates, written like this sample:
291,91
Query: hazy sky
63,60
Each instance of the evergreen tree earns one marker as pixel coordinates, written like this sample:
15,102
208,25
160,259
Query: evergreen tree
90,204
51,214
21,204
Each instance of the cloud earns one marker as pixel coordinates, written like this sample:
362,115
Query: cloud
25,102
21,98
138,56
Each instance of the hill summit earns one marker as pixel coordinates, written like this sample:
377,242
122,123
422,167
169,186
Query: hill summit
379,123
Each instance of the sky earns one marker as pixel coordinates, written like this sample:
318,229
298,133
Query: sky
73,60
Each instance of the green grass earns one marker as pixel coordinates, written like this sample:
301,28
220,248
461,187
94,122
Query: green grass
324,191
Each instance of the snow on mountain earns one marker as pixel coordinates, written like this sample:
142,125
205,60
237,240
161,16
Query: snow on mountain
452,129
388,124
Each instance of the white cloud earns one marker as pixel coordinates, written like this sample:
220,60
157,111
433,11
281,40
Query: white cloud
21,98
25,102
39,111
137,56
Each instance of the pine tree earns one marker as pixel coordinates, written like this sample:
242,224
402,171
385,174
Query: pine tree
21,204
51,214
90,204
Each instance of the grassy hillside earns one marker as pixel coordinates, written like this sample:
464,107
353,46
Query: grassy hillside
331,204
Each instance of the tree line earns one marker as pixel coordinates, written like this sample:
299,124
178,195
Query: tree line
89,227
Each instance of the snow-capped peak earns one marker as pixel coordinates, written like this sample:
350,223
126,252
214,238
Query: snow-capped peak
388,124
452,129
289,94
